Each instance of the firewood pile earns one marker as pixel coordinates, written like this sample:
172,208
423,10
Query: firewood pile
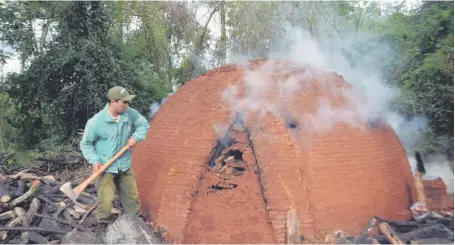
433,229
33,210
431,222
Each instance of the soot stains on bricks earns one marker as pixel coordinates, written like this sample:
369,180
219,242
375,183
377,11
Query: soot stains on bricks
226,159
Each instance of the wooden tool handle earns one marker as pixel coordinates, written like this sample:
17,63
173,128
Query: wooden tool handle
78,189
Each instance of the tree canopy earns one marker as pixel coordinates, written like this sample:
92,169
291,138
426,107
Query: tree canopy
72,52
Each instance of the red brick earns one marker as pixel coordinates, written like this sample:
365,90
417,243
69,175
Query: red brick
337,179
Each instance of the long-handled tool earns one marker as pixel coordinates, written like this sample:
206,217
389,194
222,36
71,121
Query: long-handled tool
73,194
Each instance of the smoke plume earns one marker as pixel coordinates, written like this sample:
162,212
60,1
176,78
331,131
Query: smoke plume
329,54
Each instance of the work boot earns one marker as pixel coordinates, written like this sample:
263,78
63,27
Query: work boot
142,217
101,232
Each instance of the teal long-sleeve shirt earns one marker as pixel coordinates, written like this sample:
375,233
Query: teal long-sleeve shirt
103,137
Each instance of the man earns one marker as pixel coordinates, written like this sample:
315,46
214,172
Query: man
105,134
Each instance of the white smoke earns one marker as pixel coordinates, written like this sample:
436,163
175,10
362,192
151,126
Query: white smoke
306,52
365,75
436,166
156,105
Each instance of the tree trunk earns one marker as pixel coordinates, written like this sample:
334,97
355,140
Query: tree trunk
223,39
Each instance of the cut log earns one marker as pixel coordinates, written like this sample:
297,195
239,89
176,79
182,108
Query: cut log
16,212
292,228
32,210
5,199
389,233
28,217
33,188
7,215
16,221
369,230
420,190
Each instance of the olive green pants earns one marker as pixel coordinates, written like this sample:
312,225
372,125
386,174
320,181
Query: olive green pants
125,183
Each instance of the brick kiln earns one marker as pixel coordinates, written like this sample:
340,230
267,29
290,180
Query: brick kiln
236,185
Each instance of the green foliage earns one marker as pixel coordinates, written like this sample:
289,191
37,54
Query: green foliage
68,84
73,52
425,72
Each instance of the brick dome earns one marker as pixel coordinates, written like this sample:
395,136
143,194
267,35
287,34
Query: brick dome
234,149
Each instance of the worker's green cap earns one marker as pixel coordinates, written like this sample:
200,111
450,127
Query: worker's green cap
119,93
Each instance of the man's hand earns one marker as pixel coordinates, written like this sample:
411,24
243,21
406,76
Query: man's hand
131,142
96,167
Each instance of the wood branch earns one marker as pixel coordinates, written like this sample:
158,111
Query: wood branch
53,204
7,215
367,231
57,213
389,233
33,188
201,38
37,229
3,235
73,213
16,221
30,177
16,176
88,213
33,210
78,226
16,212
5,178
53,190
